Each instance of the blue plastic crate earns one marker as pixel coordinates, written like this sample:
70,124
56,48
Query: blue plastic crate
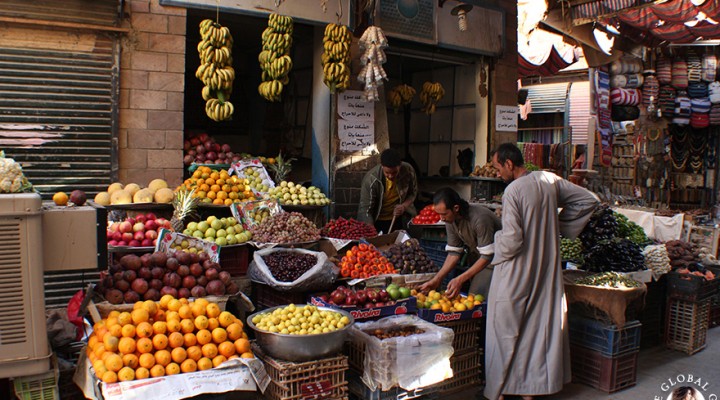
607,339
435,251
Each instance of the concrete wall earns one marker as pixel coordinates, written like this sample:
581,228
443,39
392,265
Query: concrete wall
503,76
152,84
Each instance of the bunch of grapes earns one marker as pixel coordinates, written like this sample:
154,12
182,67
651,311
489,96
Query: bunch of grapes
285,227
288,266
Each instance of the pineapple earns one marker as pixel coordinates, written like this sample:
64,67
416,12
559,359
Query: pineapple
185,206
281,168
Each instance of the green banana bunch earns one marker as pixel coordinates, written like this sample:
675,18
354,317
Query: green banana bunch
430,95
400,96
336,57
274,59
215,70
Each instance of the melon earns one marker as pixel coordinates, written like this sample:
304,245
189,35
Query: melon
103,198
143,196
164,195
120,197
157,184
114,187
132,188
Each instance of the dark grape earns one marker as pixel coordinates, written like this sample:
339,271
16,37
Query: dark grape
288,266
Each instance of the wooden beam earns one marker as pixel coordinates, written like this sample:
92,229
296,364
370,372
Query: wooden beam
61,24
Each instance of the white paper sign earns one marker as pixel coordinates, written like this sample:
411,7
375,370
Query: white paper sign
356,122
506,118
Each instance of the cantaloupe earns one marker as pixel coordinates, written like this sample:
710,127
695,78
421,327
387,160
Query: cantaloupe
115,186
143,196
157,184
164,195
132,188
103,198
120,197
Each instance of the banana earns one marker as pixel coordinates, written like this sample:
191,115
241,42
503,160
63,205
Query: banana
336,57
274,59
215,70
431,94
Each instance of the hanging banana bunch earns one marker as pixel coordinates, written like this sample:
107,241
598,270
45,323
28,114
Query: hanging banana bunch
400,95
336,57
373,41
216,70
274,58
430,95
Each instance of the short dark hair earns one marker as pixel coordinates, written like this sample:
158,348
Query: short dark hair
681,392
451,198
509,151
390,158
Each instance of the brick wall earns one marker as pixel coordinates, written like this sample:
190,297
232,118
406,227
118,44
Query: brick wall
152,83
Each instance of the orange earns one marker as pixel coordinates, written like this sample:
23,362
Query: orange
210,350
219,335
178,354
242,346
99,368
92,342
159,327
113,363
188,365
172,369
203,336
197,309
226,318
99,350
174,305
210,195
201,322
137,305
157,370
126,374
144,345
226,349
176,339
130,360
126,345
142,373
190,339
212,324
219,202
124,318
165,300
187,326
60,198
217,360
111,343
139,315
173,325
146,360
109,377
194,352
163,357
128,330
185,311
204,364
212,310
221,195
234,331
113,314
150,306
115,330
144,329
160,341
228,202
247,355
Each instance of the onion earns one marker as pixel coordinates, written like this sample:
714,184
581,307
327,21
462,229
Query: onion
225,148
200,149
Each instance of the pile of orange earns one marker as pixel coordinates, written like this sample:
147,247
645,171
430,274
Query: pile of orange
217,187
168,337
364,261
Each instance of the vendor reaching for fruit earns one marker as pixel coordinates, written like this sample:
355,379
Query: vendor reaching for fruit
387,193
469,228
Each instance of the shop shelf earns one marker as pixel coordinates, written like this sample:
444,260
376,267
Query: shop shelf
318,379
609,374
607,339
686,325
689,287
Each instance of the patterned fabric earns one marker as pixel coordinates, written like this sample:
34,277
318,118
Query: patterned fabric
697,90
626,66
683,106
714,92
602,93
666,100
625,97
681,121
651,88
674,33
700,105
679,74
715,115
694,67
625,113
634,81
618,81
699,120
709,67
677,11
664,70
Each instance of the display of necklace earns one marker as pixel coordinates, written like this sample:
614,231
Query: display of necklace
679,154
710,155
698,145
654,134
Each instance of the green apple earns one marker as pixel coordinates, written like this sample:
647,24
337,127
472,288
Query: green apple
221,241
221,233
192,226
203,226
198,234
216,224
210,233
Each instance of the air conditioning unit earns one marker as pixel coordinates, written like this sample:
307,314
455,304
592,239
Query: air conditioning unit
24,346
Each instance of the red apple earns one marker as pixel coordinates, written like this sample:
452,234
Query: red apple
113,243
146,243
122,243
151,225
134,243
131,220
117,236
138,227
150,216
151,235
141,218
109,234
139,236
125,226
127,236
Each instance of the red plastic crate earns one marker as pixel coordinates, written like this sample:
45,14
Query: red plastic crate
686,325
609,374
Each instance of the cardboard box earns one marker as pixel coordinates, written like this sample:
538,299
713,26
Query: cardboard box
402,306
167,237
74,237
383,242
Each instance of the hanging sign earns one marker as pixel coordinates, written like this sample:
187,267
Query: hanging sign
506,118
356,122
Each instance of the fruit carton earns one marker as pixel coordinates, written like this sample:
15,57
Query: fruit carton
383,242
167,238
439,316
243,211
401,306
238,168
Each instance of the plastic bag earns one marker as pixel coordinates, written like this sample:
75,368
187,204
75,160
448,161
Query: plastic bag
409,362
319,277
73,312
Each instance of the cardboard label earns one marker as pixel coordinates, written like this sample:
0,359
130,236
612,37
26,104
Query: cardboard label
506,118
439,316
166,239
402,306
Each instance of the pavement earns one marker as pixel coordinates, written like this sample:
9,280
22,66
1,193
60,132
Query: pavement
658,368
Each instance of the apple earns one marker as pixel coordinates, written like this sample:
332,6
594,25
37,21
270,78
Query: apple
154,242
122,243
350,299
379,304
134,243
146,243
131,220
139,236
324,297
127,236
139,226
113,243
150,216
109,234
151,225
151,235
368,305
337,297
361,297
117,236
141,218
383,295
125,226
372,295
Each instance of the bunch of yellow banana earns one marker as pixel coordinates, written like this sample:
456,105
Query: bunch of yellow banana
400,96
336,57
430,95
215,70
274,59
218,110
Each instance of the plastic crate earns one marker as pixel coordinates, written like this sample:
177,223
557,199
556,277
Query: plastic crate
319,379
356,355
609,374
358,390
467,373
235,259
38,387
607,339
435,251
433,233
466,334
264,297
686,325
689,287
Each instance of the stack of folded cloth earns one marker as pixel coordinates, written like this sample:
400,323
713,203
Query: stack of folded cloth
666,100
697,90
715,115
651,88
714,92
700,117
694,68
664,70
679,74
683,108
